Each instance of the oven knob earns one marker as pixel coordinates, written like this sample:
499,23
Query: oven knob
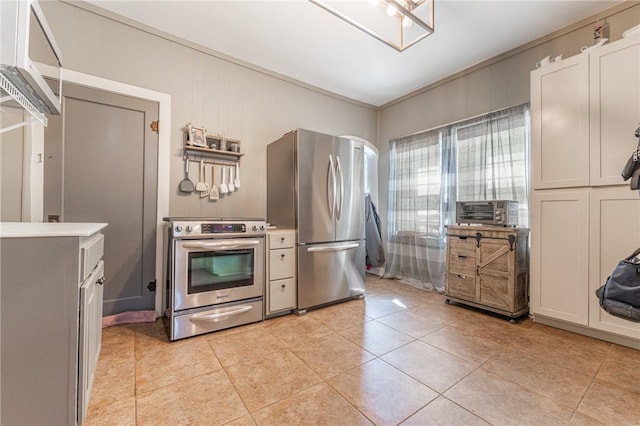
254,228
178,228
262,227
189,228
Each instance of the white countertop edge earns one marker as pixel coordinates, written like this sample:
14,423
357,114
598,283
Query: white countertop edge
48,229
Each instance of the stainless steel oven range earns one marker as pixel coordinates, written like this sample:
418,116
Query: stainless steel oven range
215,274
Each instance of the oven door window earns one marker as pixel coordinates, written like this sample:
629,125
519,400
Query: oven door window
219,270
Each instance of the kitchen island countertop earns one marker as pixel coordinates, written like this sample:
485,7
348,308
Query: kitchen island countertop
48,229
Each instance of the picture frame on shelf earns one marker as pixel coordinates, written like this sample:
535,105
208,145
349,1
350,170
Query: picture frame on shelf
196,136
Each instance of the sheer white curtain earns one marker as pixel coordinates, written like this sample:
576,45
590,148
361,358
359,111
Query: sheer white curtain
493,158
419,194
478,159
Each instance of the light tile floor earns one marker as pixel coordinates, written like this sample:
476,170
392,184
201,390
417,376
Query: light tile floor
401,355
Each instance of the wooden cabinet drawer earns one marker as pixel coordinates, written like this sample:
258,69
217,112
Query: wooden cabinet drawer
282,295
282,264
461,263
462,286
466,245
281,239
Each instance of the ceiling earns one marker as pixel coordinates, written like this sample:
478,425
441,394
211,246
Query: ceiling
301,41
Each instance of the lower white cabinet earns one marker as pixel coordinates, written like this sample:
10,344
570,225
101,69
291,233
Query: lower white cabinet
91,298
615,234
578,237
560,255
51,321
281,272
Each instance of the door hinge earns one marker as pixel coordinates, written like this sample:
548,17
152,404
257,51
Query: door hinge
152,285
155,125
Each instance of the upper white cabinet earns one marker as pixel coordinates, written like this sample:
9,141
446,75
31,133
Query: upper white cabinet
584,111
615,108
585,219
560,123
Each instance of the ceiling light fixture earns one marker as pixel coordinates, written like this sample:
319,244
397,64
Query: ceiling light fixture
390,21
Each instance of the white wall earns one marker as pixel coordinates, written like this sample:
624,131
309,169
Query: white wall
245,104
11,159
494,85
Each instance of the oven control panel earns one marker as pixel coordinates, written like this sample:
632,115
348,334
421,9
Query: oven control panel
191,229
223,228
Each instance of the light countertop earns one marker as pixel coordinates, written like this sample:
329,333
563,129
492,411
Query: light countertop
48,229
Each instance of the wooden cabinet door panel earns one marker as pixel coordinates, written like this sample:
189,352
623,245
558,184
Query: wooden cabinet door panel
495,257
496,291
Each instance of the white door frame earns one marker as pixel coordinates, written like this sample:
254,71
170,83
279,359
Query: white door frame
164,150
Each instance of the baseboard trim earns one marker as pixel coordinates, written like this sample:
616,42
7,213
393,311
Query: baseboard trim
590,332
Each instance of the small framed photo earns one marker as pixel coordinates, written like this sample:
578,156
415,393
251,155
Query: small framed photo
197,136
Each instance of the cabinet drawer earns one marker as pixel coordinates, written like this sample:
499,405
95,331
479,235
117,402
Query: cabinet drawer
281,264
464,245
91,251
281,239
462,286
282,295
461,263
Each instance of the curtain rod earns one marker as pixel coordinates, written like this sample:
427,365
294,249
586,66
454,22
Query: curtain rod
454,122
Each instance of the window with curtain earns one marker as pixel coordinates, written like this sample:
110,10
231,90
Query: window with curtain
478,159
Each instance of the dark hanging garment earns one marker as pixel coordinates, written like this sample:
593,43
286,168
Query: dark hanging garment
372,234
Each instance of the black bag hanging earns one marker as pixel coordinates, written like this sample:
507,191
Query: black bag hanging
632,167
620,295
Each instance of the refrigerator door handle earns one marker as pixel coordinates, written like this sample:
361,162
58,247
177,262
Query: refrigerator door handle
331,187
341,192
339,247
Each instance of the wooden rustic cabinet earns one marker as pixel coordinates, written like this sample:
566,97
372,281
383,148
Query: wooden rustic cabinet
487,267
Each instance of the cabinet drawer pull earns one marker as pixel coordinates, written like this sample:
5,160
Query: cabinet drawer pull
460,256
282,256
283,286
464,277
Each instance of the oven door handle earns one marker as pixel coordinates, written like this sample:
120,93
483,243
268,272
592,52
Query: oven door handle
222,315
221,245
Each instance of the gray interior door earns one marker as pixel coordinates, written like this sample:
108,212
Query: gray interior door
110,175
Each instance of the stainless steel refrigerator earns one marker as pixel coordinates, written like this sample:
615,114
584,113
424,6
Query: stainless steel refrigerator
315,185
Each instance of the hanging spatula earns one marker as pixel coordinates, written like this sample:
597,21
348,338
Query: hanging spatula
223,186
237,181
205,192
202,186
213,194
185,184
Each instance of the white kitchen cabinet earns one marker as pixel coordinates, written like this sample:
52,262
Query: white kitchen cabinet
615,234
560,124
51,319
560,255
584,217
615,108
281,272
